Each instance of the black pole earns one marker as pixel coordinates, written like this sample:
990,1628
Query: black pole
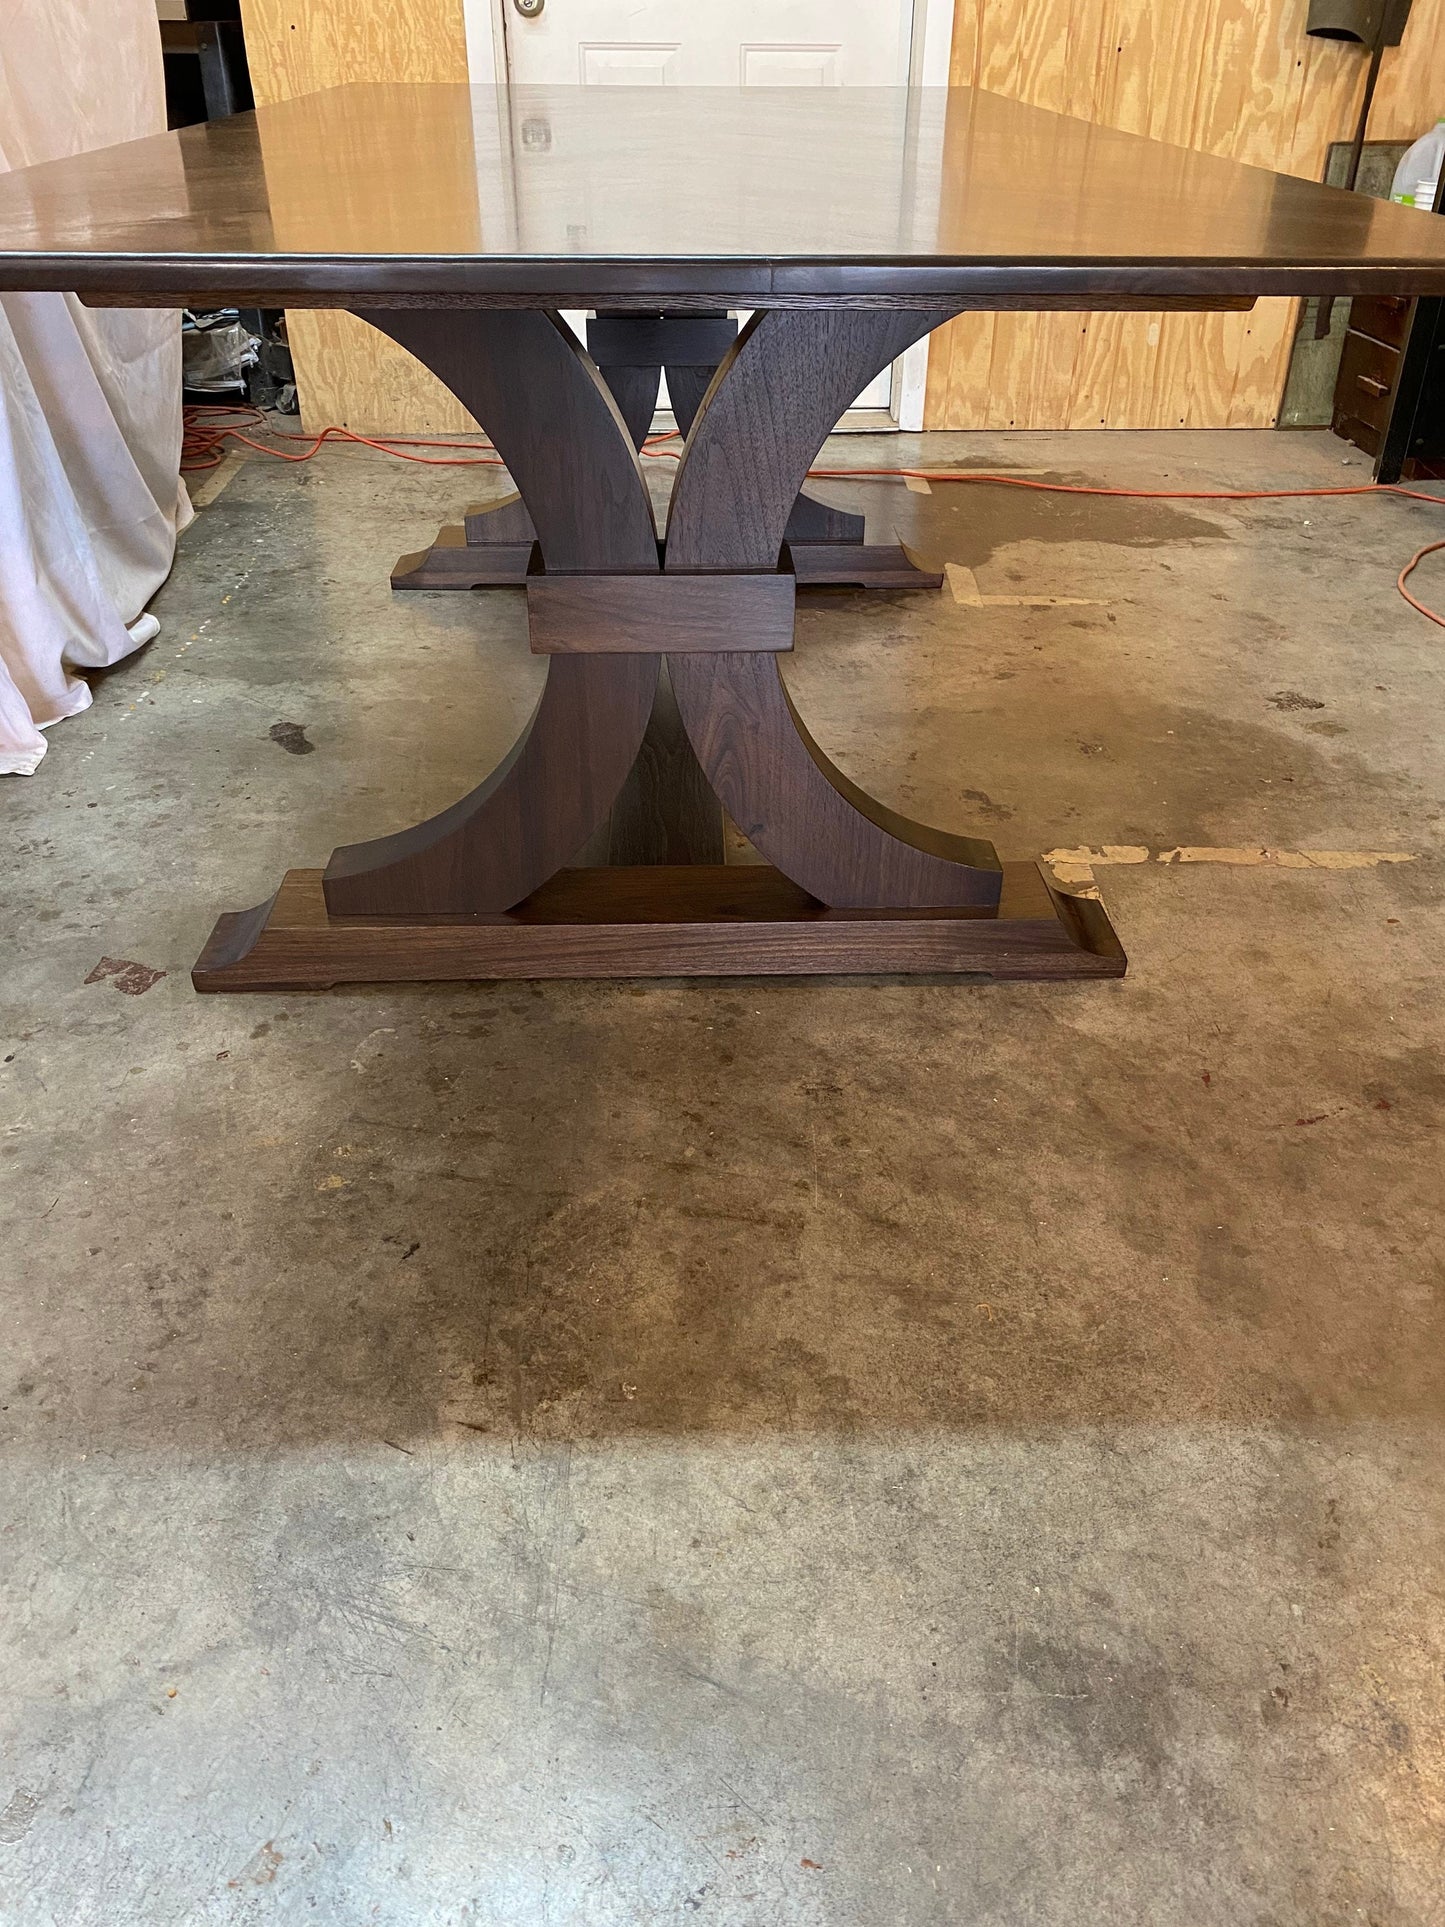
1371,78
1325,311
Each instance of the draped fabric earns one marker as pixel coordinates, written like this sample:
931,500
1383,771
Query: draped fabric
90,400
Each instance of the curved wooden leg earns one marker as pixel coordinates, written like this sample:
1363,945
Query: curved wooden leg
802,812
531,816
814,520
560,433
775,399
666,812
826,544
686,386
635,392
552,419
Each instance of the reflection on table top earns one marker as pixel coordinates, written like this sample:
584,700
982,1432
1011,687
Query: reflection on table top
889,193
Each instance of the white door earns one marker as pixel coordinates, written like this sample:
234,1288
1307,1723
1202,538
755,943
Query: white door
710,43
725,43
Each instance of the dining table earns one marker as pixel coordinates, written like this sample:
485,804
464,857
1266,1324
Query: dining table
770,250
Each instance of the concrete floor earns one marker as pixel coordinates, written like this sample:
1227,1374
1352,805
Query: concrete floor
838,1454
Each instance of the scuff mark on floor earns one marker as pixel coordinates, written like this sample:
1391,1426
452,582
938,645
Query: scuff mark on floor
18,1816
1288,859
260,1869
1075,868
131,978
964,587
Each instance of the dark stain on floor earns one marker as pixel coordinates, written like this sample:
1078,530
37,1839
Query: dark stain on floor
292,738
970,522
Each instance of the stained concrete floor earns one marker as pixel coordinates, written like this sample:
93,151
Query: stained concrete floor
839,1454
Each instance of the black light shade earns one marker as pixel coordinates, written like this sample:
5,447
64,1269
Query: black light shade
1359,20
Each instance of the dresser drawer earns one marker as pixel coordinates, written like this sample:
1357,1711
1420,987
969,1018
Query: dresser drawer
1368,373
1384,317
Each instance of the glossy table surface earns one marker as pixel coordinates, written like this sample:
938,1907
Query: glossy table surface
788,195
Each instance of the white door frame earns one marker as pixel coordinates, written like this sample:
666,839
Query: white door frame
486,33
486,42
928,67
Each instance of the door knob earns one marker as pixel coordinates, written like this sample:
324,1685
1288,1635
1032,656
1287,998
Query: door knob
529,9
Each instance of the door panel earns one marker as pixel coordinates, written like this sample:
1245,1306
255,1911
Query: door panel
777,66
861,43
714,43
605,63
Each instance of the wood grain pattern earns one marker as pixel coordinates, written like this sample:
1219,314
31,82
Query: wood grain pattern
531,815
505,520
824,543
676,614
452,562
796,806
666,811
344,372
660,921
555,424
862,565
1236,78
783,384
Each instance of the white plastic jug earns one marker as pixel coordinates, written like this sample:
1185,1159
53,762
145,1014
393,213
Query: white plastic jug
1418,175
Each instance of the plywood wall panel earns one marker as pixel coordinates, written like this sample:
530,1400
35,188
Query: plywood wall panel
1091,399
346,372
1234,77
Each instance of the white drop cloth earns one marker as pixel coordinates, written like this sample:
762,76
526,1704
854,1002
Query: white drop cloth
90,400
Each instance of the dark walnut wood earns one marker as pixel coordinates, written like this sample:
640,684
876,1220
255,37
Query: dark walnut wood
784,383
635,391
657,198
627,350
702,920
666,811
452,562
532,814
693,615
659,340
502,522
557,428
814,521
553,421
494,546
692,352
1075,299
766,411
862,565
802,812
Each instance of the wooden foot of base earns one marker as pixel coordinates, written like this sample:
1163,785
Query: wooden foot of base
661,921
885,565
454,563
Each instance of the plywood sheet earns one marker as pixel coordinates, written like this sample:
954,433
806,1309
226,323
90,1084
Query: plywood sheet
346,373
1233,77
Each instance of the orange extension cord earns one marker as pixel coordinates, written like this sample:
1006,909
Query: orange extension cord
203,447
